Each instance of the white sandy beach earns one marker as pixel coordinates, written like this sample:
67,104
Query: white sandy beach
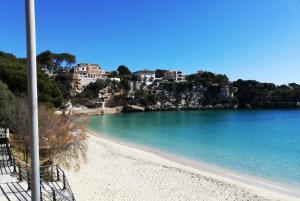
119,172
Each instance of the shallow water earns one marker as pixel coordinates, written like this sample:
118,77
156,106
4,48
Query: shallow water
263,143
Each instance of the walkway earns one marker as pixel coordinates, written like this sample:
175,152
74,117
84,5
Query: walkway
15,178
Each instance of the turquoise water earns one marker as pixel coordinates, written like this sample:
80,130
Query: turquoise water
263,143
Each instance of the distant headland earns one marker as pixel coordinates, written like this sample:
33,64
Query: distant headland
87,87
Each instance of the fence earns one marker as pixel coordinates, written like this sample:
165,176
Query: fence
51,176
54,184
5,155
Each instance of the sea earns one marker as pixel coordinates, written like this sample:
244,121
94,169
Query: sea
260,143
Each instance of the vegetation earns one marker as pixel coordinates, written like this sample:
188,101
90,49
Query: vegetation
6,98
55,91
59,138
253,94
114,74
56,62
90,94
145,98
176,87
118,100
13,72
124,84
208,78
159,73
62,141
64,82
123,71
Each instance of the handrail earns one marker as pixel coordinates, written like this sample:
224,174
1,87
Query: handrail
55,174
48,173
5,141
65,182
45,195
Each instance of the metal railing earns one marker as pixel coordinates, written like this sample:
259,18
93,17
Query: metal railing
55,173
49,174
5,154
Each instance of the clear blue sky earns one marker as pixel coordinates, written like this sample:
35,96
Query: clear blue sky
248,39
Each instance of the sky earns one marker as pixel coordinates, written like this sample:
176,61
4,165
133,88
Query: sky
247,39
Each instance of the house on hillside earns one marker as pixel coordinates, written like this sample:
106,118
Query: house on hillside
145,76
47,72
115,79
174,76
84,74
106,74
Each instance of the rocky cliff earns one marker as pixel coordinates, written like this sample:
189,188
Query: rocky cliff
173,96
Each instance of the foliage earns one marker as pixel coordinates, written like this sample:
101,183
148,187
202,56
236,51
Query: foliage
64,82
144,98
248,93
18,124
61,141
90,93
55,61
141,97
46,60
168,86
80,99
13,72
181,86
124,84
114,74
118,100
207,78
123,70
177,87
251,93
92,90
6,99
159,73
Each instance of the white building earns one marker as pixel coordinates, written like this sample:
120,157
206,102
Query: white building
84,70
145,76
86,73
174,76
116,79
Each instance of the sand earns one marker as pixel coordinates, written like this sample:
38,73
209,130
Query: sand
115,171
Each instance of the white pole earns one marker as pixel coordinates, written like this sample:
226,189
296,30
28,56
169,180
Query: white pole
33,101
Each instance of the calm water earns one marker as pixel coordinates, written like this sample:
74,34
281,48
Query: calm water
264,143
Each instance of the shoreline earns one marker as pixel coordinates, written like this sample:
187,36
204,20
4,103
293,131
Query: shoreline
241,178
248,181
118,110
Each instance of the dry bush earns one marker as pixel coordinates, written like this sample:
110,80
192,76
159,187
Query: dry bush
61,141
18,125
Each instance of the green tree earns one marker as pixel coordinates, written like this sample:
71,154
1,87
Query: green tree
6,99
251,93
56,61
207,78
13,72
89,96
69,59
114,74
46,60
124,84
92,90
159,73
123,70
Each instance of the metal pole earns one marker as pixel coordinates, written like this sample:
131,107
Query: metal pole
32,97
